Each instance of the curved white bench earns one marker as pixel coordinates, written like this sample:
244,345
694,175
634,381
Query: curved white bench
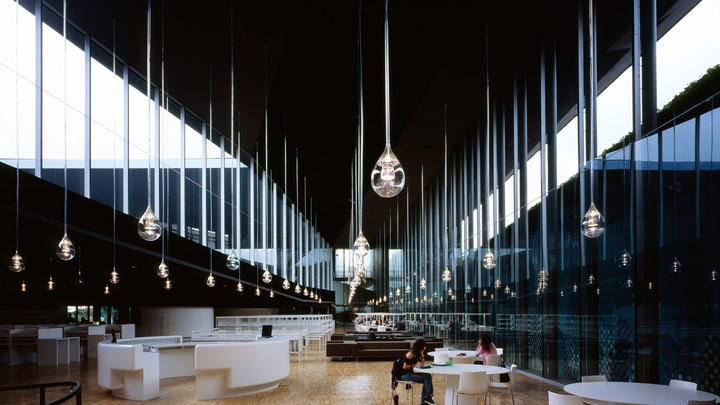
132,368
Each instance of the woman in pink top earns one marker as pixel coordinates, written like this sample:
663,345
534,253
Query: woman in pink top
485,347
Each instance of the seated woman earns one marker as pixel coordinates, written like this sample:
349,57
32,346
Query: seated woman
416,357
485,347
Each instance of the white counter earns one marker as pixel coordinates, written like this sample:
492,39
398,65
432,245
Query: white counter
132,368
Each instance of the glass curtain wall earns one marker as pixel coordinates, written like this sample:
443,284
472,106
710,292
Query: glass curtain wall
95,118
639,303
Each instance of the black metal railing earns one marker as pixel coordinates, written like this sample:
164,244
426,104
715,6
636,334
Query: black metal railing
74,390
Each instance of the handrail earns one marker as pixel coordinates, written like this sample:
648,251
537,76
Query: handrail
75,390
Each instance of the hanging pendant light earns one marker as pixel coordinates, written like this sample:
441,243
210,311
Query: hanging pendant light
305,291
168,285
388,176
266,276
286,284
623,260
488,261
210,282
17,263
239,287
106,290
23,286
65,249
714,276
446,277
423,284
593,223
149,227
232,262
298,290
51,283
675,266
163,271
114,276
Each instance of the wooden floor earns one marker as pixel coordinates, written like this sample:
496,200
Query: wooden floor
316,379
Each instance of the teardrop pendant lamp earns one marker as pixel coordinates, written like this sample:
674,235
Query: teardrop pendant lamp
388,176
65,249
488,261
232,262
267,276
593,222
163,271
149,227
361,246
114,276
210,282
17,263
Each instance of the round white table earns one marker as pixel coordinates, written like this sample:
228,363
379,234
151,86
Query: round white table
636,393
452,375
454,354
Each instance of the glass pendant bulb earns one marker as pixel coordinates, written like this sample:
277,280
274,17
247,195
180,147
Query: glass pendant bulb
623,260
714,276
591,279
361,246
168,284
66,249
388,176
397,292
507,289
305,291
498,284
210,281
574,288
114,277
423,284
286,284
272,294
312,294
51,284
675,266
408,289
484,293
257,291
266,276
163,271
23,286
489,260
239,287
297,289
593,223
450,292
106,291
149,227
446,277
232,261
628,283
17,263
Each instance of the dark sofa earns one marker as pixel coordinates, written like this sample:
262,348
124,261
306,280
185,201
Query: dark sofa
379,348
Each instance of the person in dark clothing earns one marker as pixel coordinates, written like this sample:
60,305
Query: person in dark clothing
416,357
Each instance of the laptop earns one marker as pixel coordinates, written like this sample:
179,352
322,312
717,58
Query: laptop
267,331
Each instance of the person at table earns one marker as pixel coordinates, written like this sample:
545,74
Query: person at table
485,347
416,357
400,325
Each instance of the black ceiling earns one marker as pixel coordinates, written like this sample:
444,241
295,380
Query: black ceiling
305,53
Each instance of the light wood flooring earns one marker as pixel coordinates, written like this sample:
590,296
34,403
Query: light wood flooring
316,379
